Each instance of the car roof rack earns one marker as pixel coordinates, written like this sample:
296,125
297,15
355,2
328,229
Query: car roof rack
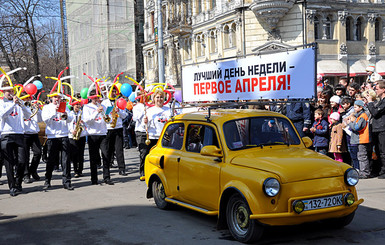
237,104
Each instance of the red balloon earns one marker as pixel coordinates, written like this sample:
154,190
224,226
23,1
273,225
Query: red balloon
84,101
30,89
121,103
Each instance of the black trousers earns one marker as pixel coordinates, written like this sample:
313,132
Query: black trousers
32,142
96,143
77,154
15,157
143,149
58,153
379,144
115,143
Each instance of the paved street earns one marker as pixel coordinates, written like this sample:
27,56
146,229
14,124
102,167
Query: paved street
120,214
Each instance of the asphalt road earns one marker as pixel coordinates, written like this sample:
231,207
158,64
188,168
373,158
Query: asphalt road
121,214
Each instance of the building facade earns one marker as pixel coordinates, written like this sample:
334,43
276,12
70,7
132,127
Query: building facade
104,39
350,33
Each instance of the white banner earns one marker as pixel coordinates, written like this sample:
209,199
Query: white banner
281,75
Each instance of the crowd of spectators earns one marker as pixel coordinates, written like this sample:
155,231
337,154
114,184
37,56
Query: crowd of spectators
346,122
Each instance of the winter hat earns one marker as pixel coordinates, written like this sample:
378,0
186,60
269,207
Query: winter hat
319,77
370,68
359,103
335,99
335,116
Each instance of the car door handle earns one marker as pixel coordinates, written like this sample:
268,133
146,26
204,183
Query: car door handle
178,159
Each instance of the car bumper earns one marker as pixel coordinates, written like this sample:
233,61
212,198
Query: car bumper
292,218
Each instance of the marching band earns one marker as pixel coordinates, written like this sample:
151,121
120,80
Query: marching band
96,118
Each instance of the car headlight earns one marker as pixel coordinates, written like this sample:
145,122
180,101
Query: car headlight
271,187
351,177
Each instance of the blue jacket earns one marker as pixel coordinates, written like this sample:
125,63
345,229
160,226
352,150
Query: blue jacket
321,134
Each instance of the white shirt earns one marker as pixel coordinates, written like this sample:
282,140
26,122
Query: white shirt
56,126
122,114
137,117
157,117
31,125
72,125
12,117
94,120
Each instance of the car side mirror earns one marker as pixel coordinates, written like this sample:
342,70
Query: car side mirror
211,151
307,141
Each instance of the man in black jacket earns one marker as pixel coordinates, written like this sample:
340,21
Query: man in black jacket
377,109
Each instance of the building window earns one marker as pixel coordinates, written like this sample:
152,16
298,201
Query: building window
349,27
199,6
233,35
328,30
316,27
359,29
199,46
377,29
212,38
152,22
226,33
213,4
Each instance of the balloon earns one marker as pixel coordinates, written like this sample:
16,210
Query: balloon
83,101
132,97
69,106
84,93
30,89
178,95
126,89
38,84
121,103
129,105
118,85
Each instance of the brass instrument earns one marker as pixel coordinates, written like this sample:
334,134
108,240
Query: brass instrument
114,116
106,118
78,127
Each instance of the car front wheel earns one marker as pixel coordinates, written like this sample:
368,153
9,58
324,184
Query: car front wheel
241,227
159,194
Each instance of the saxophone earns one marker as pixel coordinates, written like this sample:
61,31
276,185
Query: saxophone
114,116
78,128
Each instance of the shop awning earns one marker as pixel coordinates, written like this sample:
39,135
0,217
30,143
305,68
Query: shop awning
380,67
357,67
331,68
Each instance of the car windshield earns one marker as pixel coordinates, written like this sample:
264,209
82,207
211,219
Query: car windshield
259,132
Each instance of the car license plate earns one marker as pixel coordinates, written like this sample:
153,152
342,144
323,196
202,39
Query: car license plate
323,202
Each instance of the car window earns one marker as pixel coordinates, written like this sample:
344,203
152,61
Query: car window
199,136
173,136
259,131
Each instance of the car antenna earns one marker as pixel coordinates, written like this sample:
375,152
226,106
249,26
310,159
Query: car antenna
209,115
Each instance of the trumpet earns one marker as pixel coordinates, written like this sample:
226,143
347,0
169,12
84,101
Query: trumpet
106,118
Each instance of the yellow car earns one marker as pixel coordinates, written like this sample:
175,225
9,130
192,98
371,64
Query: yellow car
251,169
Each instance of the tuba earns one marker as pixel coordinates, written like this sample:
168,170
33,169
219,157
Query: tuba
78,127
114,116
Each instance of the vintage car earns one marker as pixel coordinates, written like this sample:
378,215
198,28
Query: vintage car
251,169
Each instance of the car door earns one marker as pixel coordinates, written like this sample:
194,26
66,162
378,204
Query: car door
198,174
172,142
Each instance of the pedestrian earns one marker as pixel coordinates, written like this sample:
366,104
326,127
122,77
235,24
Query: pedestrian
320,131
361,135
299,113
373,76
12,115
353,89
77,134
95,119
337,144
115,129
55,115
138,113
347,105
377,110
32,142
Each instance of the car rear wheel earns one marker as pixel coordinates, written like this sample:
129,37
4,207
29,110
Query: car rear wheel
241,227
159,194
